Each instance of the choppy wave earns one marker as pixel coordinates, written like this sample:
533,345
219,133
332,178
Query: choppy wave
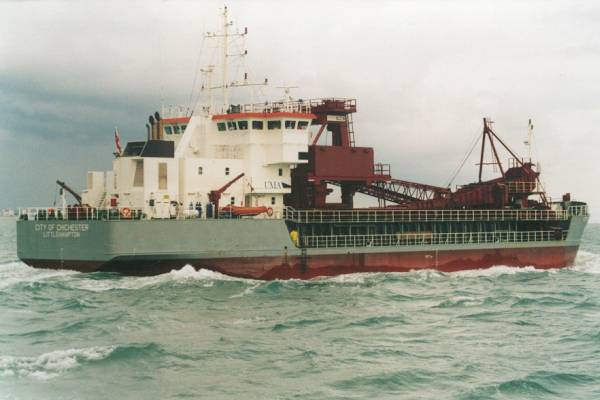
17,273
587,261
51,364
13,273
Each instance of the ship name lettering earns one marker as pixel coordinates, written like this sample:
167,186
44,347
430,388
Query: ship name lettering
61,231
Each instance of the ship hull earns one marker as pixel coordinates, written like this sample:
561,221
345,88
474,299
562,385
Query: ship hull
258,249
315,265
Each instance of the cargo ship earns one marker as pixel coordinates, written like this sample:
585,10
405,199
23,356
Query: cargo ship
266,191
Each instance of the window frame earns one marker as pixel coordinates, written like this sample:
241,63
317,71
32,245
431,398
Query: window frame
220,125
290,124
258,122
276,124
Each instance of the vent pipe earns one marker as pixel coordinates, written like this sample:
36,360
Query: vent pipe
153,130
158,126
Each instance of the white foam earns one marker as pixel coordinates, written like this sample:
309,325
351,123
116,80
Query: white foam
356,277
190,273
16,272
249,290
587,261
494,271
187,273
52,364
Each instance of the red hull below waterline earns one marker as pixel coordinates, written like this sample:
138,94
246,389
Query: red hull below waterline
312,266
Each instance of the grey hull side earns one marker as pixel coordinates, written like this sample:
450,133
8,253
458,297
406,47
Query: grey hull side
254,248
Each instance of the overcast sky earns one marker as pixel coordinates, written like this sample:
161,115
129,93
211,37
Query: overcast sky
424,74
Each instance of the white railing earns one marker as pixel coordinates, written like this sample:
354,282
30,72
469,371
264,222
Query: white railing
80,213
413,239
359,216
299,106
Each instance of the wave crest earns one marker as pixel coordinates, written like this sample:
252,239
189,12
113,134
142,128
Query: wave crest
50,365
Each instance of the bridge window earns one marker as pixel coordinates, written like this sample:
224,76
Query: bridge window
258,125
290,124
231,126
226,170
168,130
243,125
302,124
280,171
221,127
274,125
183,128
176,129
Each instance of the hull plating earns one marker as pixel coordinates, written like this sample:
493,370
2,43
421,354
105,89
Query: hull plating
298,267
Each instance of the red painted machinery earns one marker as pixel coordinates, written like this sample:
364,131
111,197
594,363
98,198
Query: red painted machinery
353,169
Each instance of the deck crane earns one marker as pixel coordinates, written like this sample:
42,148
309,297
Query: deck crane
214,196
68,189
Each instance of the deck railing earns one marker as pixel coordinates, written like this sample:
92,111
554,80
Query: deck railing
322,216
80,213
413,239
361,216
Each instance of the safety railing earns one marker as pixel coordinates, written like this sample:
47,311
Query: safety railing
362,216
521,186
415,239
301,106
80,213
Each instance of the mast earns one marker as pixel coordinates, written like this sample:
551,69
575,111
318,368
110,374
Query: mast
529,138
225,41
224,92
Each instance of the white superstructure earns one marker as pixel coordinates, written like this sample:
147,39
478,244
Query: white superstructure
208,151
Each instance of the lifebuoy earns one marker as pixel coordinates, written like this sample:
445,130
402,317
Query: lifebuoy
126,212
270,212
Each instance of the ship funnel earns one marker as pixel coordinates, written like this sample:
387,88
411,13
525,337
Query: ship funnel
158,133
152,130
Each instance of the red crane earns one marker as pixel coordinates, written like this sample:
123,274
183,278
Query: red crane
214,196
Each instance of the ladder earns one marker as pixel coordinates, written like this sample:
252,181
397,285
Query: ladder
102,199
351,130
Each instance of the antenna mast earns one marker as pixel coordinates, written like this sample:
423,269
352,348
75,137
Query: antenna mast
225,37
529,138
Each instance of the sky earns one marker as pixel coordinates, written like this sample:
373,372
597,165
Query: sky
424,74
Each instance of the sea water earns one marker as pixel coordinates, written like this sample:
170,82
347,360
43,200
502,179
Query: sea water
501,333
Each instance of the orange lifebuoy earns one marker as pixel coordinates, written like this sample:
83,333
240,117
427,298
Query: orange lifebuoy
126,212
270,212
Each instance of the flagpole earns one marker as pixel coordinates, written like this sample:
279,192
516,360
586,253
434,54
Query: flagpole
118,143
